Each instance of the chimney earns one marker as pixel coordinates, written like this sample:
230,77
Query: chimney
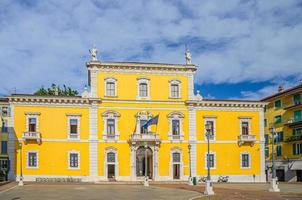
280,88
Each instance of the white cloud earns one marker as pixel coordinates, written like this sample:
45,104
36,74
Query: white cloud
48,41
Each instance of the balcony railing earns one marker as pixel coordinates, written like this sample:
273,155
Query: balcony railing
246,139
145,137
294,138
293,122
32,136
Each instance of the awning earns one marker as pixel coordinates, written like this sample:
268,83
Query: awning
297,165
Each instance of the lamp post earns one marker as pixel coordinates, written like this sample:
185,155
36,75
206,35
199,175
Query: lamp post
146,183
190,177
21,174
209,187
274,184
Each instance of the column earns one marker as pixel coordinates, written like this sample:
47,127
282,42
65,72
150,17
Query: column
93,142
155,163
93,83
191,86
192,138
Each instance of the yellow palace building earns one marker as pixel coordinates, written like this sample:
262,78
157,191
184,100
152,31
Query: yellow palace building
136,118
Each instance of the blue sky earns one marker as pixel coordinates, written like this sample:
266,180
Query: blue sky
243,49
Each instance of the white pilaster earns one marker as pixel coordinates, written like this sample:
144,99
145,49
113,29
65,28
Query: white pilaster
192,138
191,86
262,146
93,83
11,144
93,142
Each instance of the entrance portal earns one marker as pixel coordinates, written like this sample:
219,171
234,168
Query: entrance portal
141,162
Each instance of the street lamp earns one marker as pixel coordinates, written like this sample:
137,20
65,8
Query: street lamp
274,185
209,187
190,177
146,183
21,174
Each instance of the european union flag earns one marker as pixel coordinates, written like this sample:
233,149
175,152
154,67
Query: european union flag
151,121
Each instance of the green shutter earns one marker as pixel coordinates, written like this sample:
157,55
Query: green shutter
266,152
278,119
278,104
297,115
279,150
294,149
297,99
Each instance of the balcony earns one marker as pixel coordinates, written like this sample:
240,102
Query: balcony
246,139
294,138
29,136
294,123
293,105
145,137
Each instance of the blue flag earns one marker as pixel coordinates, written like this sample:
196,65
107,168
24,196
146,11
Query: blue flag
151,121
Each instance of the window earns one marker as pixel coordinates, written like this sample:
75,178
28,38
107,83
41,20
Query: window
32,159
73,124
175,127
32,124
277,104
111,157
3,147
110,89
297,131
143,90
176,157
4,126
297,99
279,150
212,121
110,127
175,120
5,111
244,128
143,85
245,160
143,129
212,160
110,119
73,160
4,164
266,152
278,119
297,149
174,90
279,137
265,122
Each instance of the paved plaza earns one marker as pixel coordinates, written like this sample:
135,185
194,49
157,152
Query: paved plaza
229,191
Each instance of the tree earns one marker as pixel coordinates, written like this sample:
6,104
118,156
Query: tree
56,90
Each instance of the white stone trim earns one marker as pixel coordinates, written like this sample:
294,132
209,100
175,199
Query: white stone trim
141,108
116,163
79,160
112,80
192,138
248,120
93,141
27,159
241,161
143,80
78,118
212,119
176,116
191,86
175,82
93,83
176,150
206,161
35,116
262,146
110,114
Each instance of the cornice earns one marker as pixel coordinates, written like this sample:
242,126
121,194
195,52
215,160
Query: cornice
31,99
139,67
227,103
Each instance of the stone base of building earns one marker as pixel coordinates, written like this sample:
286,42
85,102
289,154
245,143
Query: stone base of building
286,170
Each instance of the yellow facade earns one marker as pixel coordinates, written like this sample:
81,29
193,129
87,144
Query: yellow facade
126,94
288,133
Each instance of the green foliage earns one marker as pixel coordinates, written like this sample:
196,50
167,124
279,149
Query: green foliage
56,90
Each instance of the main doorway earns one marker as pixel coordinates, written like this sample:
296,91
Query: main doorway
141,160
